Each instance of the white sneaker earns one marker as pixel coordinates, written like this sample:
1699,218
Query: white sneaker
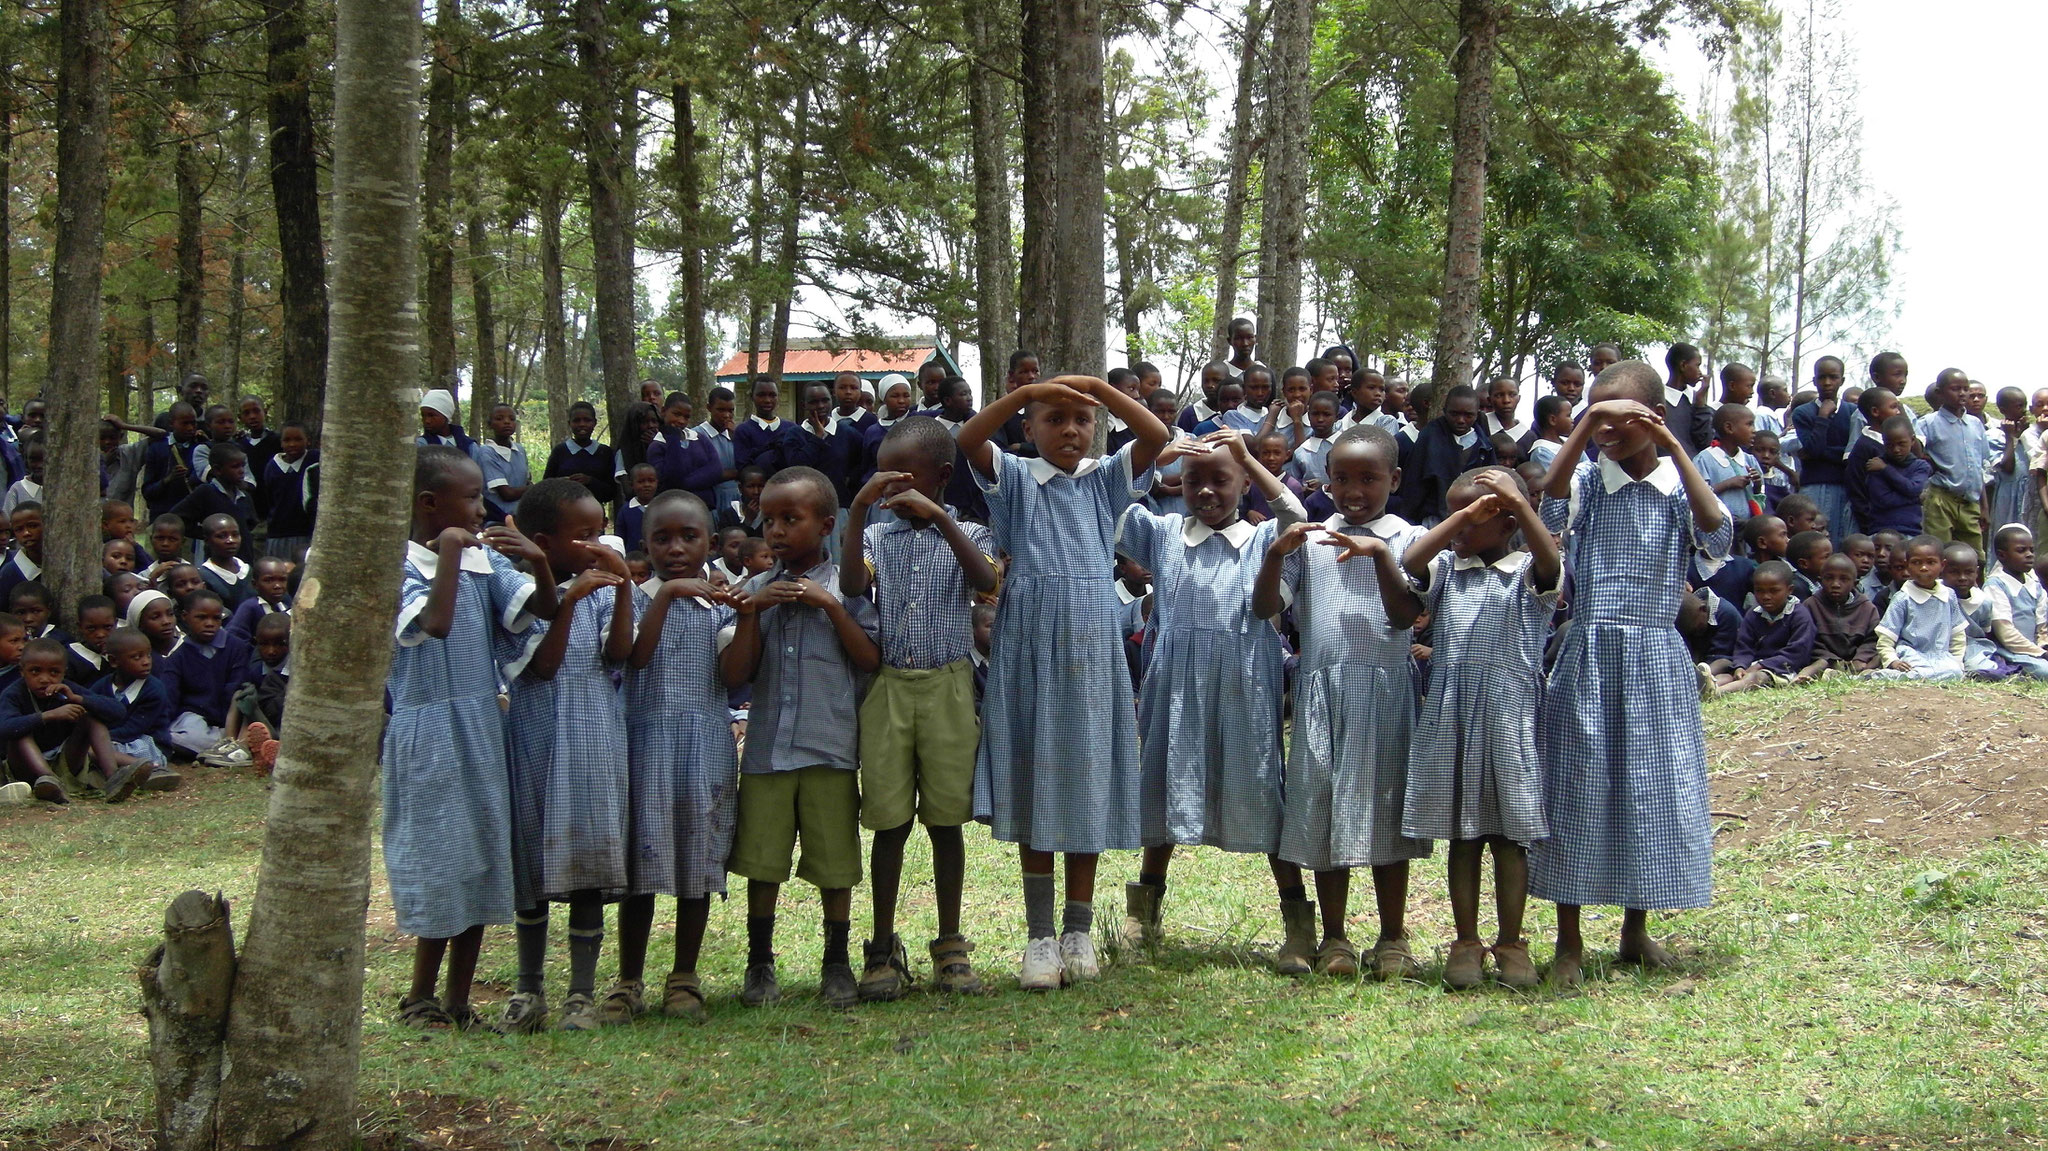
20,794
1077,955
1042,969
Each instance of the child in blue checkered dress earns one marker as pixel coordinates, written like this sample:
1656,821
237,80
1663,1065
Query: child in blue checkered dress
1058,767
1209,705
1354,699
1625,758
918,731
1474,777
566,727
683,774
463,610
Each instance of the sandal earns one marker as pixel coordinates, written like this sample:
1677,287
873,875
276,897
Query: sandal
682,996
1337,957
425,1014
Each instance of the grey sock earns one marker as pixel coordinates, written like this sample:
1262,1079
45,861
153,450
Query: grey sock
1080,917
586,938
531,928
1038,906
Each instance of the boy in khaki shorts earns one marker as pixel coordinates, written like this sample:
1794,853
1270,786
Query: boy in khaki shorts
804,648
918,731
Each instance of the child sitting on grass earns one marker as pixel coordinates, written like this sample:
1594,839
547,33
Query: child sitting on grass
145,731
1844,624
86,656
1923,634
1962,573
269,580
224,570
1775,642
25,563
47,721
1807,553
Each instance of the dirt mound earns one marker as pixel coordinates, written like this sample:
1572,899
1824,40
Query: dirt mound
1923,768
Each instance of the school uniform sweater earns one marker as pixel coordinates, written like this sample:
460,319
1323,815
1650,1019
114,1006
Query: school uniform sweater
16,570
206,678
1780,644
21,714
1888,498
146,704
1845,631
1430,465
212,499
161,485
594,461
261,448
686,461
287,493
242,624
759,444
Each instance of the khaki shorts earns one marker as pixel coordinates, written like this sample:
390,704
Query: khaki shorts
918,736
819,805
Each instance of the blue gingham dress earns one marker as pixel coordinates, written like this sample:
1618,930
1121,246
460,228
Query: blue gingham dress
682,767
447,808
1209,706
1473,770
1354,709
1058,766
1625,758
568,765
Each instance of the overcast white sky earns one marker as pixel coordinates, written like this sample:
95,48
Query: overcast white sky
1952,123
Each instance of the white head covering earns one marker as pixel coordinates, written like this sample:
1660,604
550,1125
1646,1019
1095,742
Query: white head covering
440,400
883,385
141,602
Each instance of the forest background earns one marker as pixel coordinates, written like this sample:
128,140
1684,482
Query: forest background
616,189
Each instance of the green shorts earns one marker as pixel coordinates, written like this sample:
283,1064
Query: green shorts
820,805
918,736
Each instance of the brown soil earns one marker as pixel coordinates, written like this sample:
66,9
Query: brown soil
1919,768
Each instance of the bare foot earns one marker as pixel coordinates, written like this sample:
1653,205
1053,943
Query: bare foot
1566,970
1646,952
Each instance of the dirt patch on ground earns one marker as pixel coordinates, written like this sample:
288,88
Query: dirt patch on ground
1920,768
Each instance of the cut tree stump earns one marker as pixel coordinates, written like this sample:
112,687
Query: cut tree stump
186,985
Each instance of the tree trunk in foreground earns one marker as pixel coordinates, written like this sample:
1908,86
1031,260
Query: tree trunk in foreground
611,217
191,244
1457,324
554,338
483,263
437,205
186,984
71,564
295,1025
690,222
1230,238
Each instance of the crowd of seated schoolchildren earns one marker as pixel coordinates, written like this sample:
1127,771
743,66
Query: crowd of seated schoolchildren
718,640
181,654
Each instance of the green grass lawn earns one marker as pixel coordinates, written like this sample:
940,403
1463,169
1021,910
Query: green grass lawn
1826,1000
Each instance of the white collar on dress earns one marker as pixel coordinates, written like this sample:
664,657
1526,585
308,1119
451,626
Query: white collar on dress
1194,531
1507,563
1126,596
288,466
427,560
1673,396
1383,527
29,567
1918,594
1791,601
1043,470
502,451
767,425
233,577
1664,477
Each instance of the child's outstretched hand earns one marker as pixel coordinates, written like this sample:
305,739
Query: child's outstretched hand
1292,539
456,538
699,589
1362,547
1503,495
1178,447
588,582
506,540
1068,391
876,490
1229,440
1623,412
811,593
915,504
607,560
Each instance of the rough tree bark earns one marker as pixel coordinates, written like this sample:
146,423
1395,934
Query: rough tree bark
295,1025
483,387
757,231
71,514
1457,324
993,55
186,986
611,223
191,242
1284,181
1237,185
242,143
7,232
690,223
786,255
553,338
295,187
437,195
1062,292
